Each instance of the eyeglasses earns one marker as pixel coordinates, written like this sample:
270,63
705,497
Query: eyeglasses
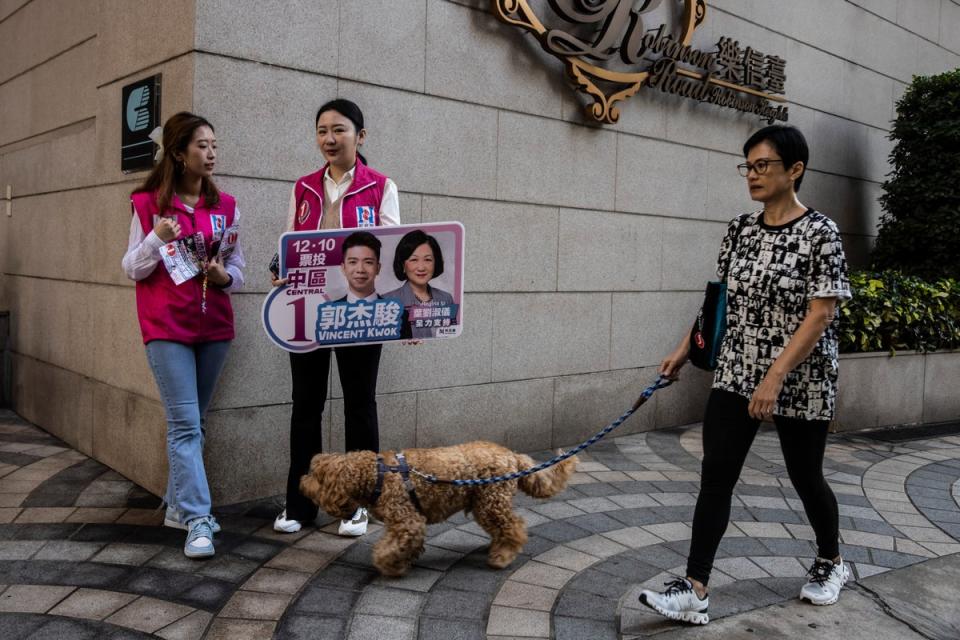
760,166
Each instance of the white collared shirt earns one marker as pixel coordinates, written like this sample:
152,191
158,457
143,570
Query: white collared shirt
352,298
333,191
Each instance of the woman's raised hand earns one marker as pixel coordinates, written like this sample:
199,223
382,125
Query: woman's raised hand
167,229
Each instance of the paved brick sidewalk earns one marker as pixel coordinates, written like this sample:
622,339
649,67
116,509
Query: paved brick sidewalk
82,554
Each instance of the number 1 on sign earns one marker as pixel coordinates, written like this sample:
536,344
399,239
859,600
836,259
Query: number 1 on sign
300,320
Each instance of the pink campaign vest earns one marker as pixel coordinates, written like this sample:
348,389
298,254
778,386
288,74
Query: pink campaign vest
360,206
171,312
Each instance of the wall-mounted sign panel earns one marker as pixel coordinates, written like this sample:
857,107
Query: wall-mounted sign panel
613,48
139,115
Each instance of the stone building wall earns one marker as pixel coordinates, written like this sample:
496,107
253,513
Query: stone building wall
587,246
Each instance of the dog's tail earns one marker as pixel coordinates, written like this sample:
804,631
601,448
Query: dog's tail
548,482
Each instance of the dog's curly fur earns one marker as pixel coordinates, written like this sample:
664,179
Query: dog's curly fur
339,483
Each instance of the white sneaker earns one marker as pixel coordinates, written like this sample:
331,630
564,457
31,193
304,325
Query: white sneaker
678,602
826,580
282,525
356,525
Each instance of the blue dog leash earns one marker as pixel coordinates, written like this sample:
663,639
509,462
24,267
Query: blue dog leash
661,382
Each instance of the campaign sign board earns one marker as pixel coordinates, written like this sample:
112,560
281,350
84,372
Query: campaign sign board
337,297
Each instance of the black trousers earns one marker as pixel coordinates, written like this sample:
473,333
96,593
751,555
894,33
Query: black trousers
358,367
728,432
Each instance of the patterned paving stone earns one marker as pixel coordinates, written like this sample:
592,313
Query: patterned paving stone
893,559
472,574
440,629
367,627
453,603
67,551
625,521
95,604
312,627
54,628
19,549
384,601
231,629
126,553
250,605
17,626
324,601
191,627
566,628
520,622
268,580
28,598
788,547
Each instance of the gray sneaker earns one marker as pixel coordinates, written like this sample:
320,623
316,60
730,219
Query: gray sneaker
826,581
678,602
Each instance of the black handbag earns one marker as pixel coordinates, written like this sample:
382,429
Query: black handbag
707,333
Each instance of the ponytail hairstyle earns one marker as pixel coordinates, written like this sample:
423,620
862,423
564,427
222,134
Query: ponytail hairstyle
178,131
348,110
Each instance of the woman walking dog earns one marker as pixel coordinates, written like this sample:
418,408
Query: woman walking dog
785,272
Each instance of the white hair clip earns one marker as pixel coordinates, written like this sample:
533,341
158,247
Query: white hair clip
157,136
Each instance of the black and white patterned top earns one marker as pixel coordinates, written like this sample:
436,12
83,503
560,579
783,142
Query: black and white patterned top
774,272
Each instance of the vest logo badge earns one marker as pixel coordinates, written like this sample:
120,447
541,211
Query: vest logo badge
219,224
303,212
366,217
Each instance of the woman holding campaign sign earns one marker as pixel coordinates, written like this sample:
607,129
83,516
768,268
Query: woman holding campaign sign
345,193
183,221
416,261
785,272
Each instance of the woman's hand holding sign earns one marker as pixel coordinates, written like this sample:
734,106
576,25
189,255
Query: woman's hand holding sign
216,273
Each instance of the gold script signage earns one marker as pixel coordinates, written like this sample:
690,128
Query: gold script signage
610,54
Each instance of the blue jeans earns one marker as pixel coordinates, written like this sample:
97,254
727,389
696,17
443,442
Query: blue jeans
186,375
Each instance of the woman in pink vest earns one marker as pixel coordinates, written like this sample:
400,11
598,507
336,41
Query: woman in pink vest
344,193
184,255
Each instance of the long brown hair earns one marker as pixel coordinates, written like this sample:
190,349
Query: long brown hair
177,134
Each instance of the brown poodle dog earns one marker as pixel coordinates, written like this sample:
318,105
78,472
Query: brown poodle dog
339,483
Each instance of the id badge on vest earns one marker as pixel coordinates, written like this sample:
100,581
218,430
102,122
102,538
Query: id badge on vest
218,222
366,216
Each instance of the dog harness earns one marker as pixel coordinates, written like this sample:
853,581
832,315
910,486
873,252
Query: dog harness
404,470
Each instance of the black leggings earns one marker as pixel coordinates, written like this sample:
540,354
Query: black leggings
358,367
728,432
